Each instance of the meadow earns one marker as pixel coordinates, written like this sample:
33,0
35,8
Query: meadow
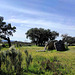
65,58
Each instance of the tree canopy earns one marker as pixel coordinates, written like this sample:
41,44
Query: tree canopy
6,30
40,35
68,39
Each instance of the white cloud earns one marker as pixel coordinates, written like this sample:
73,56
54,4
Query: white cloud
40,23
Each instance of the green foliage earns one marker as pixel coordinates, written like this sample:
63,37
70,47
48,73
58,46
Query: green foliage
12,58
6,45
46,66
26,52
6,29
28,59
39,35
69,39
54,67
19,64
35,68
39,58
3,57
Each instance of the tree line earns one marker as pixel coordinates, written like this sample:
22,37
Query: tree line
68,39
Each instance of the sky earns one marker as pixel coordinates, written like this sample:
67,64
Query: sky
56,15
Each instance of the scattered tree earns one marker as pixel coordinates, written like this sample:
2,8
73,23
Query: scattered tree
40,35
68,39
6,30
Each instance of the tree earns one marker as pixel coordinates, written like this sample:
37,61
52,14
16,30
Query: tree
6,30
54,34
64,37
68,39
40,35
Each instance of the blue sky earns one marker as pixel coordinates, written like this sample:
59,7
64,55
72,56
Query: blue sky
57,15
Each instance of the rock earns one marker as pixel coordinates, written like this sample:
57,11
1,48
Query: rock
45,46
51,45
59,46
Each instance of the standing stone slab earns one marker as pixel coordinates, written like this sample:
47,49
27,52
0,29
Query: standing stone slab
51,45
59,46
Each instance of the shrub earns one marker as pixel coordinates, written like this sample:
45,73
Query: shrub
3,45
12,59
53,66
20,45
28,59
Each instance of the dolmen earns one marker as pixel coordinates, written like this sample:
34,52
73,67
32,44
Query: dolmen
59,45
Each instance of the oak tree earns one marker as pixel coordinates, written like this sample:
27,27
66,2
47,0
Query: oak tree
6,30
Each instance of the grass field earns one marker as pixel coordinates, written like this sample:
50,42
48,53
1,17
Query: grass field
66,58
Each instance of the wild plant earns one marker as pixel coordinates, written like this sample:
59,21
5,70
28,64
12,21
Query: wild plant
19,64
0,61
53,66
0,48
28,59
13,55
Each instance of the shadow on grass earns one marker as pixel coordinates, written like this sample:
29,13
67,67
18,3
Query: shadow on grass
65,50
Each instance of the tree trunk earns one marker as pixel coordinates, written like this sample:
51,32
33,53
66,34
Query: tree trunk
9,42
8,39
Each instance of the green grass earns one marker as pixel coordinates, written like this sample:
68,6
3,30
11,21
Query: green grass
66,58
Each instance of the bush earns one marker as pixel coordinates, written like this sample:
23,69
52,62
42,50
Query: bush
12,59
52,66
3,45
28,59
